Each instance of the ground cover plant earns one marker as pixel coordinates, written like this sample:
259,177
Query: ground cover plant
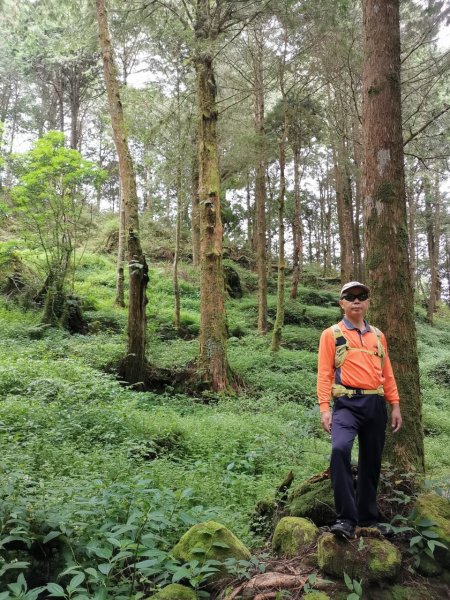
99,482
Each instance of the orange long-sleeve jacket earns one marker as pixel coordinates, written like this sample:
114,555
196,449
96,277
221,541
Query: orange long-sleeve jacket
360,369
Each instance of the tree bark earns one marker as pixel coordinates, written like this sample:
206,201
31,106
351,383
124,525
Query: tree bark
195,209
134,364
297,230
392,305
432,221
279,320
344,210
260,186
357,156
120,274
213,332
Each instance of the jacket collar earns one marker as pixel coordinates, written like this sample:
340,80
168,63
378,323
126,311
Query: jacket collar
349,325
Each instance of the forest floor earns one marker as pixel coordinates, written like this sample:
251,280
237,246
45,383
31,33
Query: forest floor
106,479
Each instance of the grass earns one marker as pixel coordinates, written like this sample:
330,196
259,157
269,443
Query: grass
81,454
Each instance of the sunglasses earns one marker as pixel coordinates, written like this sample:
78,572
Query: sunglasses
352,297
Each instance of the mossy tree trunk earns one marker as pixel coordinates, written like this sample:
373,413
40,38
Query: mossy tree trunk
195,209
213,330
134,364
392,305
260,181
120,271
357,237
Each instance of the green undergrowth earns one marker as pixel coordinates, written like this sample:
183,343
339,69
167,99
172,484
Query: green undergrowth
108,479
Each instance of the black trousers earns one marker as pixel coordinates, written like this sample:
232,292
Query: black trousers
365,417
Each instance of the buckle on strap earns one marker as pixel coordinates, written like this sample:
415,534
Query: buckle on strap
342,390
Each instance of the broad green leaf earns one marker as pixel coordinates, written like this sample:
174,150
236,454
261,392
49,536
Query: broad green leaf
357,587
426,523
415,540
105,568
51,536
55,590
429,533
77,580
348,581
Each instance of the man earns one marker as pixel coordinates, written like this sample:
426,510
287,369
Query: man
354,369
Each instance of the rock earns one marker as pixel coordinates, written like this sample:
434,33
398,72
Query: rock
313,500
175,591
291,534
210,541
436,508
315,595
375,560
429,567
399,592
232,282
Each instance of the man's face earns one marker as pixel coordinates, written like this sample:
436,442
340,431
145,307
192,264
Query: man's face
355,303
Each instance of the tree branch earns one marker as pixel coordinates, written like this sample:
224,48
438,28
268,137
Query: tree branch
434,118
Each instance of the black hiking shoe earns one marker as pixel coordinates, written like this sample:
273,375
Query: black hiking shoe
384,528
343,529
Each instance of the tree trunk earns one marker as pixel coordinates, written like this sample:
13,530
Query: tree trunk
392,306
134,364
260,186
344,210
297,232
176,285
279,320
120,279
195,210
213,332
411,219
432,221
357,155
249,214
178,191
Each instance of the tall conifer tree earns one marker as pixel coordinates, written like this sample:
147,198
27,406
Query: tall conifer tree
392,307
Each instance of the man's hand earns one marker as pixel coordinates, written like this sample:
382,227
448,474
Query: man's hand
396,418
325,419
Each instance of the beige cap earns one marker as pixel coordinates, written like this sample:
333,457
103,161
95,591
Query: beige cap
352,284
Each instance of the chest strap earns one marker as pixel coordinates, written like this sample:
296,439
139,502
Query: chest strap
342,346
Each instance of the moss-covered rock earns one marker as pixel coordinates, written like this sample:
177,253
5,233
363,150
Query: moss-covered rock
399,592
291,534
316,595
437,509
372,560
175,591
313,500
429,566
210,541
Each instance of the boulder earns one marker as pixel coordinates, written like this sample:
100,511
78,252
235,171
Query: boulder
291,534
399,592
432,507
232,282
371,560
210,541
429,566
313,500
175,591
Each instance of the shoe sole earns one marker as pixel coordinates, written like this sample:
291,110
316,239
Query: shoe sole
342,535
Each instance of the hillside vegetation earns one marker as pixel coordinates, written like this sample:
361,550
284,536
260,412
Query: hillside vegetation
106,479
